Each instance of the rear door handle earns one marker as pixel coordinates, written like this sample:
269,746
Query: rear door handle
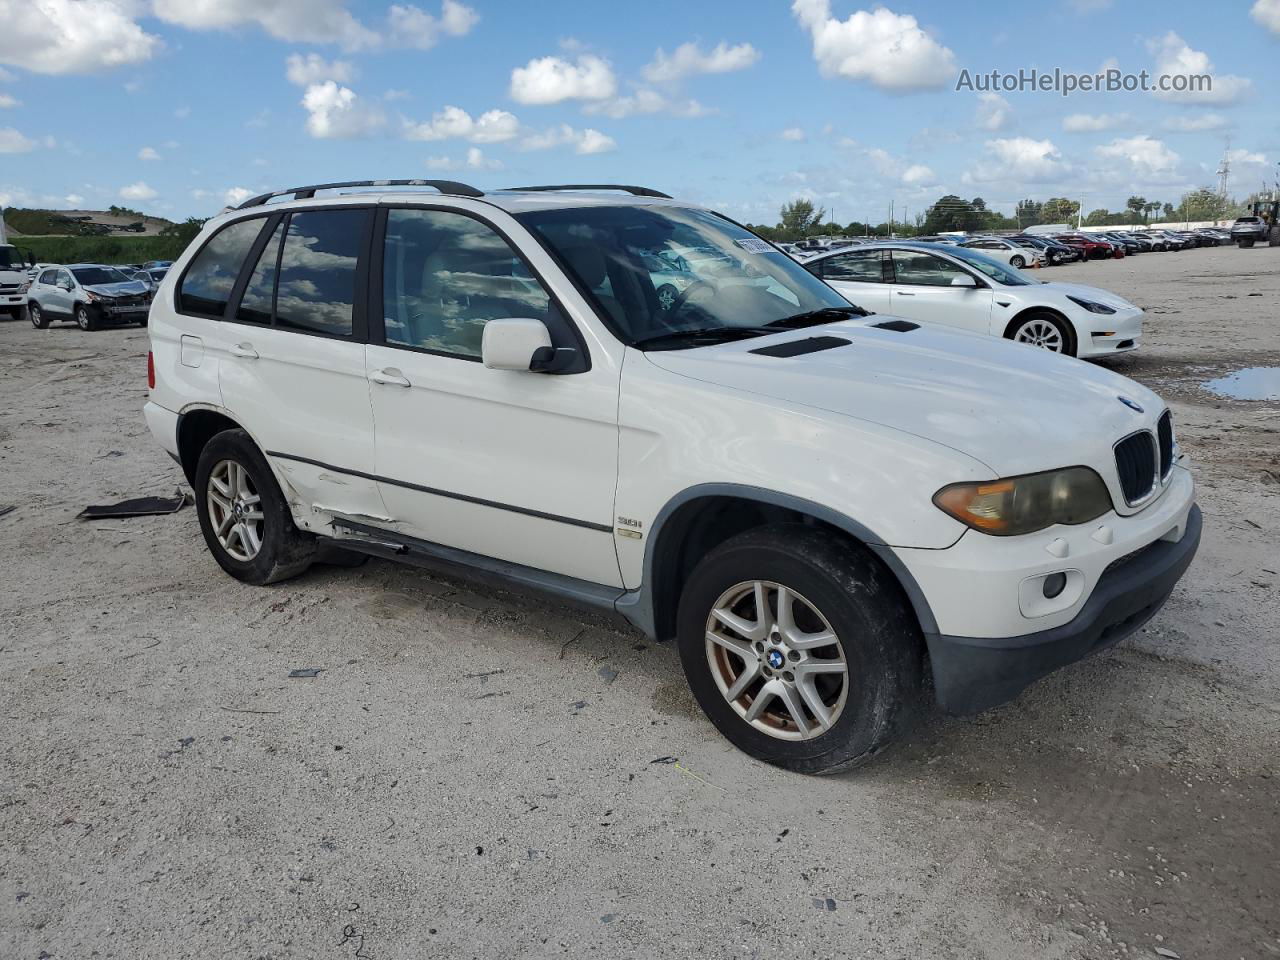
903,293
244,350
389,376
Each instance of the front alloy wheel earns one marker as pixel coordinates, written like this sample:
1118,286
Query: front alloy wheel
1043,333
776,660
235,510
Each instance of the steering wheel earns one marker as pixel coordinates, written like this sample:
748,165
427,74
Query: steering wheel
683,297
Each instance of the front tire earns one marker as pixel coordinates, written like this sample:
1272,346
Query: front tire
37,316
85,318
243,515
1044,330
800,648
1017,262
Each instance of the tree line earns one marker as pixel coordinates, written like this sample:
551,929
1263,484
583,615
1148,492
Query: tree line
802,218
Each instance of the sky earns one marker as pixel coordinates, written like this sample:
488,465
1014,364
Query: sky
178,107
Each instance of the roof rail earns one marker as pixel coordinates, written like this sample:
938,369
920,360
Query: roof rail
634,191
451,187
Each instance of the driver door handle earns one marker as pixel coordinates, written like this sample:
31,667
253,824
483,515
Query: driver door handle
389,376
244,350
903,293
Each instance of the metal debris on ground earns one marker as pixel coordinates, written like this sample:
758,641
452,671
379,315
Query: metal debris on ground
305,672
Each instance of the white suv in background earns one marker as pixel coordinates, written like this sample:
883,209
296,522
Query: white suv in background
817,505
964,288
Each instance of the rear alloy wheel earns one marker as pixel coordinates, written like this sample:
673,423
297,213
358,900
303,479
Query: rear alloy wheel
1044,331
38,319
800,647
84,318
244,518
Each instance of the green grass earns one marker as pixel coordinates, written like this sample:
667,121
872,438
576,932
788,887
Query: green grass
101,249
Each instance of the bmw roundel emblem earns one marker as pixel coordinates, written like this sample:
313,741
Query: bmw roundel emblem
1131,404
775,658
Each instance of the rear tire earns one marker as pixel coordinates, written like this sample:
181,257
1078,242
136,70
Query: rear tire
1246,243
268,547
37,316
863,669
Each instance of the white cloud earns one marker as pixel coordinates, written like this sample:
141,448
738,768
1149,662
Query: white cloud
73,200
1018,160
1175,58
148,153
552,80
11,141
234,196
1200,123
298,21
335,112
7,101
1147,158
1093,122
492,126
6,76
313,68
994,111
137,191
410,26
71,36
583,141
646,100
793,134
887,49
688,58
918,175
476,160
1267,13
440,162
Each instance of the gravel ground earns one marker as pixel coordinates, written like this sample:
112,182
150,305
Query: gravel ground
480,774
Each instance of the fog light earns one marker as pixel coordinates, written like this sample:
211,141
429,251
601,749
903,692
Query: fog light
1054,584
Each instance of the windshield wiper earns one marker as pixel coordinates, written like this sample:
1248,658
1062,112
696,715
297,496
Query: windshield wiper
703,335
813,318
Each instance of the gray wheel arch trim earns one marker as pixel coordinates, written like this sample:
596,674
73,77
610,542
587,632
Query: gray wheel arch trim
637,605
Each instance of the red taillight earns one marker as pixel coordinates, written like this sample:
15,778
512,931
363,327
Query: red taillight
151,370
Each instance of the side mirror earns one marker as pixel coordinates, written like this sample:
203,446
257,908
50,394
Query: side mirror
522,344
964,281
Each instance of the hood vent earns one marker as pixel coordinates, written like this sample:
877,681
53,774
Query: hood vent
898,326
796,348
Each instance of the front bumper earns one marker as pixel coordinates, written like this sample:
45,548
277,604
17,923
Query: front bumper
1123,332
972,674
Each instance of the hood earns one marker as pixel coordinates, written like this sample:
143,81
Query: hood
129,288
1015,408
1097,295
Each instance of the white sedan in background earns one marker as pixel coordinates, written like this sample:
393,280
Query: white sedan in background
1011,252
960,287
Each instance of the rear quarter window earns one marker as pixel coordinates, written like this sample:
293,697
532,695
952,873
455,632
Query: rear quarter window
207,285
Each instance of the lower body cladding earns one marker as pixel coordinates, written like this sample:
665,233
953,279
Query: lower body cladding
1008,613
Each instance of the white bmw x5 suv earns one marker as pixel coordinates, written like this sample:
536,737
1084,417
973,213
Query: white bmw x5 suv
817,505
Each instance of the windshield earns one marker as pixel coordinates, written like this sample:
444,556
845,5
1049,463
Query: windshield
997,271
660,271
10,257
91,276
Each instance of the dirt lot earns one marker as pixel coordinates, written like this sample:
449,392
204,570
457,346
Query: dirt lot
480,774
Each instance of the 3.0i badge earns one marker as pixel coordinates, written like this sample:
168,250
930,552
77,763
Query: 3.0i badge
1131,404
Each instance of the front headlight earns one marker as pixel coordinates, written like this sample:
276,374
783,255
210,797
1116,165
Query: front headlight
1090,305
93,297
1018,505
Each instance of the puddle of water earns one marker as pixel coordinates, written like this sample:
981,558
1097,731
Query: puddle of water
1251,383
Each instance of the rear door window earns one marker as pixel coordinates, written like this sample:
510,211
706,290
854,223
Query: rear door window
316,286
863,265
206,287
